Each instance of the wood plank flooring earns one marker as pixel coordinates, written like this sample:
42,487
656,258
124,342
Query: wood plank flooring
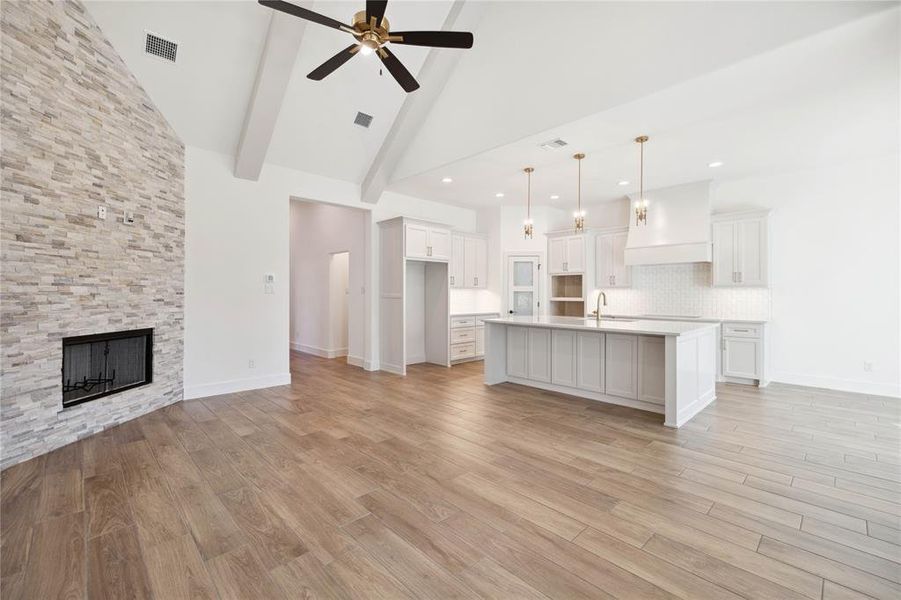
349,484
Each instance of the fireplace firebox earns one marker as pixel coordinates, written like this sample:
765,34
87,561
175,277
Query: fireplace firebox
106,363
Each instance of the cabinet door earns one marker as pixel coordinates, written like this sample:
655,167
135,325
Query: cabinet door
621,361
417,241
470,262
724,254
480,341
440,243
652,369
481,276
556,255
456,272
563,357
751,259
622,275
539,353
517,352
575,254
604,261
590,361
741,358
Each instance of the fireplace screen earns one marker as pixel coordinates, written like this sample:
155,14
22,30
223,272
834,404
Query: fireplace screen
106,363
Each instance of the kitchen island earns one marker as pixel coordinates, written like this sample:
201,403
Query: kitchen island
666,367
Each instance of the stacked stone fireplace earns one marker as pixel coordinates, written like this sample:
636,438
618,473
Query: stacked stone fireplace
79,133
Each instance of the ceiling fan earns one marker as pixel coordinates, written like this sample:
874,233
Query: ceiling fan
372,31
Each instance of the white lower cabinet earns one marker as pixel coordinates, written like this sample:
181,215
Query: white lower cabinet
563,357
480,341
621,360
651,369
590,361
539,351
741,357
518,351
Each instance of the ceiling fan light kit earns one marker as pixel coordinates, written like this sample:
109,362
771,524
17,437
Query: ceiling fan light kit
373,33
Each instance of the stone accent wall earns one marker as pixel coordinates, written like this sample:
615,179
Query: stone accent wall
78,132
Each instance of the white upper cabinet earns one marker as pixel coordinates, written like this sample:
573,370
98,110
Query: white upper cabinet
427,242
566,254
740,250
456,275
612,270
469,262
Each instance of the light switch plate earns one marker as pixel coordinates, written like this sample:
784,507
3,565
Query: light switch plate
101,212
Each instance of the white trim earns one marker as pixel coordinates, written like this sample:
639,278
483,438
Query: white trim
686,413
316,351
838,384
236,385
588,395
371,365
356,361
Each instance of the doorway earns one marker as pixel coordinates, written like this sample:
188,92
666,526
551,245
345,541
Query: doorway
339,281
523,285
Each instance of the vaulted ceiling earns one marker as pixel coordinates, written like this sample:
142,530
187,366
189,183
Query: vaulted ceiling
701,78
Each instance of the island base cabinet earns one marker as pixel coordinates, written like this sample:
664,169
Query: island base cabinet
621,362
539,358
563,357
517,351
652,369
590,362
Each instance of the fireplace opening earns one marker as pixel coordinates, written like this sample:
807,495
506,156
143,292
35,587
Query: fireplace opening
102,364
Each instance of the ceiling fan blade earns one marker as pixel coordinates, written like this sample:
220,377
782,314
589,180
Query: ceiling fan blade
400,72
326,68
303,13
375,8
435,39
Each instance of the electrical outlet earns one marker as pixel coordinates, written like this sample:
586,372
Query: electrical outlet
129,217
868,367
101,212
268,289
250,364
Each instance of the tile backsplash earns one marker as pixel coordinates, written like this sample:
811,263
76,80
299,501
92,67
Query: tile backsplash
686,290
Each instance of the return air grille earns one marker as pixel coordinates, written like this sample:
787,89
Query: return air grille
160,47
363,120
553,144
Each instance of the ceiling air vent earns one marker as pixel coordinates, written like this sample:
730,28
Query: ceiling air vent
552,144
363,120
160,47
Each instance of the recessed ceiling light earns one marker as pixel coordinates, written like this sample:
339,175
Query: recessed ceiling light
715,164
555,197
499,195
447,180
623,182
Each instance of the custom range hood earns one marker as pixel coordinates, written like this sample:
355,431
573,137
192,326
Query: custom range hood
677,228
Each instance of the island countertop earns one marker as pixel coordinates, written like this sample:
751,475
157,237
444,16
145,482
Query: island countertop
637,326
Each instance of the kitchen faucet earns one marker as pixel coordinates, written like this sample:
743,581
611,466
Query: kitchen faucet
597,310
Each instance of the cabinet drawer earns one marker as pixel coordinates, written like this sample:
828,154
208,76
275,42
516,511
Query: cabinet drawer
460,351
742,330
462,322
463,335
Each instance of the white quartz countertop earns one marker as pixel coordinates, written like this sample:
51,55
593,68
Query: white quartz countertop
637,326
689,318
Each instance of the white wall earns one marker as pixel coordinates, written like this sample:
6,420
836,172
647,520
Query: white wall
835,275
236,231
317,232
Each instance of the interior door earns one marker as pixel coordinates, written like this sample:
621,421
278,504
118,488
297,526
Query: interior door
522,285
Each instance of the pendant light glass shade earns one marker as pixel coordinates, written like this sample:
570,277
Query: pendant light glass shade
527,227
579,215
641,204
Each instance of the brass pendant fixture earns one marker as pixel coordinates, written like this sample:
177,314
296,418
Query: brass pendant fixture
641,204
579,215
527,224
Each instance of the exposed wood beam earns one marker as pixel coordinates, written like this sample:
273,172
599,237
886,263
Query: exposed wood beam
436,70
276,64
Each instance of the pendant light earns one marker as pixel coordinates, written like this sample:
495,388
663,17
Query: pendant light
579,215
527,224
641,204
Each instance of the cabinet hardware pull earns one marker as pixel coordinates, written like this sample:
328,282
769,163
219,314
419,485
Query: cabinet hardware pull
452,280
614,280
739,277
741,330
475,281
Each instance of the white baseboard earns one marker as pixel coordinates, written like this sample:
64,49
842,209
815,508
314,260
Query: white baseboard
371,365
835,383
236,385
316,351
356,361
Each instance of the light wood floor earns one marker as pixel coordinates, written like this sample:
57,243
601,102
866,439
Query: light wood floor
366,485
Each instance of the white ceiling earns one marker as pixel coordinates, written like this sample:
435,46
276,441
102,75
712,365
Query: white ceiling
595,73
830,97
